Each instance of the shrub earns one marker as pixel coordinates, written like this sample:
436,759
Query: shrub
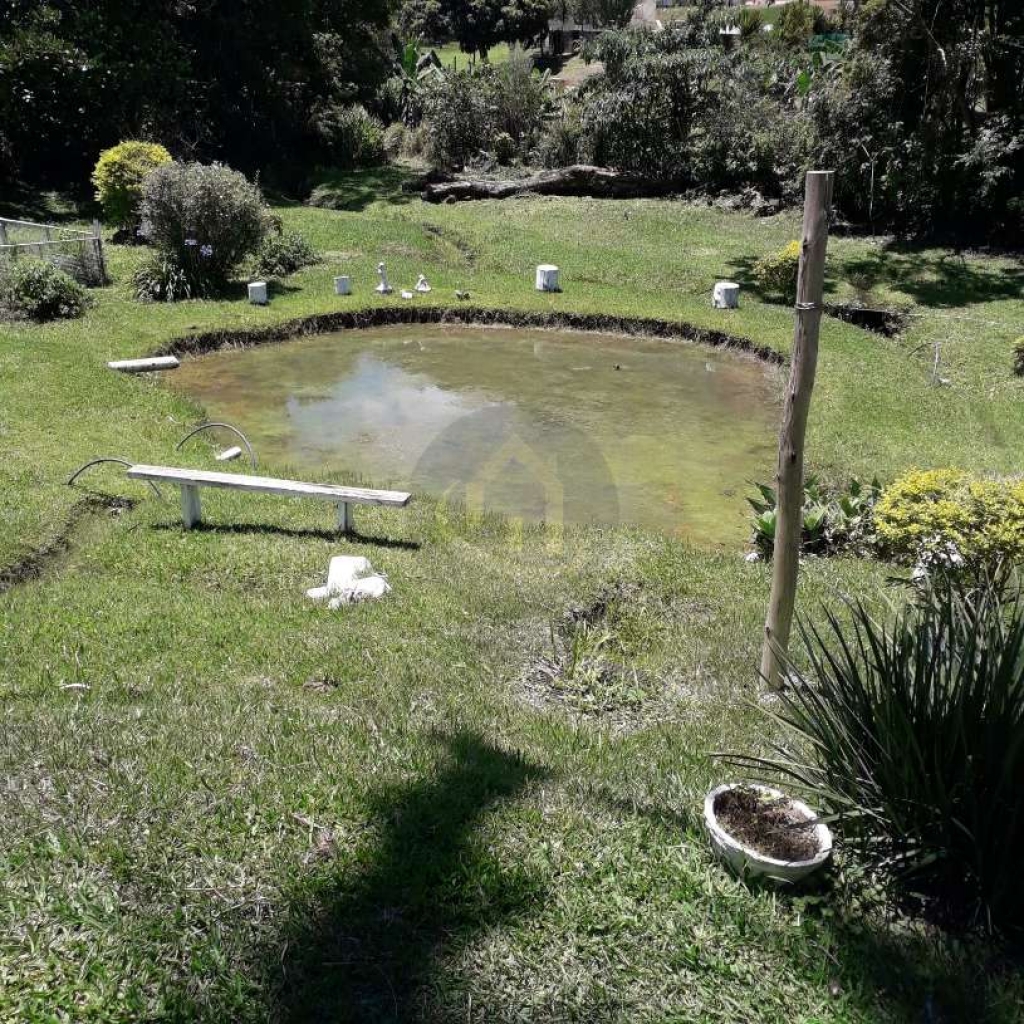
947,518
161,278
912,735
563,141
504,148
283,253
37,290
394,140
351,136
205,219
832,522
777,272
519,97
118,177
457,117
796,23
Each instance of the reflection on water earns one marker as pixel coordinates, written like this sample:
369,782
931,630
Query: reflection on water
543,425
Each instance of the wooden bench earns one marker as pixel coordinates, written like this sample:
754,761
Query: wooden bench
190,480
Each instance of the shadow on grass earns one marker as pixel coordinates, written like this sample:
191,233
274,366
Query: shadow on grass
934,979
22,202
361,945
935,279
356,190
928,277
270,529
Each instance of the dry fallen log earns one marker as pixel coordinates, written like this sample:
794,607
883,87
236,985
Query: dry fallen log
578,180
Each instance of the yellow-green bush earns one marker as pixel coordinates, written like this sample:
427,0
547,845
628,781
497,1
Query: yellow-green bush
950,514
118,177
777,272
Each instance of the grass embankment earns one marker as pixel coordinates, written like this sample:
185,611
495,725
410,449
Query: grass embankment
222,803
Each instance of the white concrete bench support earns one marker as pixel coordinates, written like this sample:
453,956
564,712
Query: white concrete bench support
191,480
191,513
345,520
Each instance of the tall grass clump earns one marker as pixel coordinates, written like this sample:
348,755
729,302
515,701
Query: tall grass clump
911,735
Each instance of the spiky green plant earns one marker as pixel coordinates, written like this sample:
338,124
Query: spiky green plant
911,736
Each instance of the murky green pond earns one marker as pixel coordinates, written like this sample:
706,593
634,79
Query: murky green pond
559,427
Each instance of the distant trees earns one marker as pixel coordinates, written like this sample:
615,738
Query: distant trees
601,13
233,79
476,25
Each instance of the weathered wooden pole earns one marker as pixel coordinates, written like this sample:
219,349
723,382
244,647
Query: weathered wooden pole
789,478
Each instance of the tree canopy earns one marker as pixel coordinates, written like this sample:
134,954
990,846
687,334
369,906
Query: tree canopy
233,79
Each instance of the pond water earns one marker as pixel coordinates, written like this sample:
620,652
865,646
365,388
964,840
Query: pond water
562,427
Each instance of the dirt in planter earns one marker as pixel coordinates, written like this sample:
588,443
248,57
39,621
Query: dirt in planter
773,827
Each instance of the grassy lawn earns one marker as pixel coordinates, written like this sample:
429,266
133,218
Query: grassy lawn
223,803
451,56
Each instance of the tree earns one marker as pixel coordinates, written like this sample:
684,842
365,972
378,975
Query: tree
230,79
477,25
602,13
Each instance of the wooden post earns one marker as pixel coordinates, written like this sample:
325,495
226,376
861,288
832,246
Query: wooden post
97,243
790,476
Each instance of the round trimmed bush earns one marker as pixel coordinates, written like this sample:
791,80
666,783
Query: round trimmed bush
777,272
119,176
205,219
283,253
352,136
951,518
36,290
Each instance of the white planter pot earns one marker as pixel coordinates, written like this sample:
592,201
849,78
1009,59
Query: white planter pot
746,861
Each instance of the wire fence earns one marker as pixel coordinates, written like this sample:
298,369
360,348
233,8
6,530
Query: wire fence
76,251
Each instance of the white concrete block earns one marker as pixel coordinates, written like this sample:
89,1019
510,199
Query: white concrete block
343,285
547,278
229,454
258,293
726,295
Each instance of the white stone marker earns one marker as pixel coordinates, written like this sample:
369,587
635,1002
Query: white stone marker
348,582
547,278
343,286
258,293
726,295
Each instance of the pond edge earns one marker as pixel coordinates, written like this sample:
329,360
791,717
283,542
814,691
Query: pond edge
387,316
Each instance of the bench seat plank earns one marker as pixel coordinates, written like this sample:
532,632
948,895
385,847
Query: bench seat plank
270,485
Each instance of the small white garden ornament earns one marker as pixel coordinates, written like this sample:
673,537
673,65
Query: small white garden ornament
383,287
422,285
350,579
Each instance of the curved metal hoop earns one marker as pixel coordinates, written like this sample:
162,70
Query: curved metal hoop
226,426
110,458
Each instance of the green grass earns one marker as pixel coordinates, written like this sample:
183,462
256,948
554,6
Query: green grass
222,803
451,56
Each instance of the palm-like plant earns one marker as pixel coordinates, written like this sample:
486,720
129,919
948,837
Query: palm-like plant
911,735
